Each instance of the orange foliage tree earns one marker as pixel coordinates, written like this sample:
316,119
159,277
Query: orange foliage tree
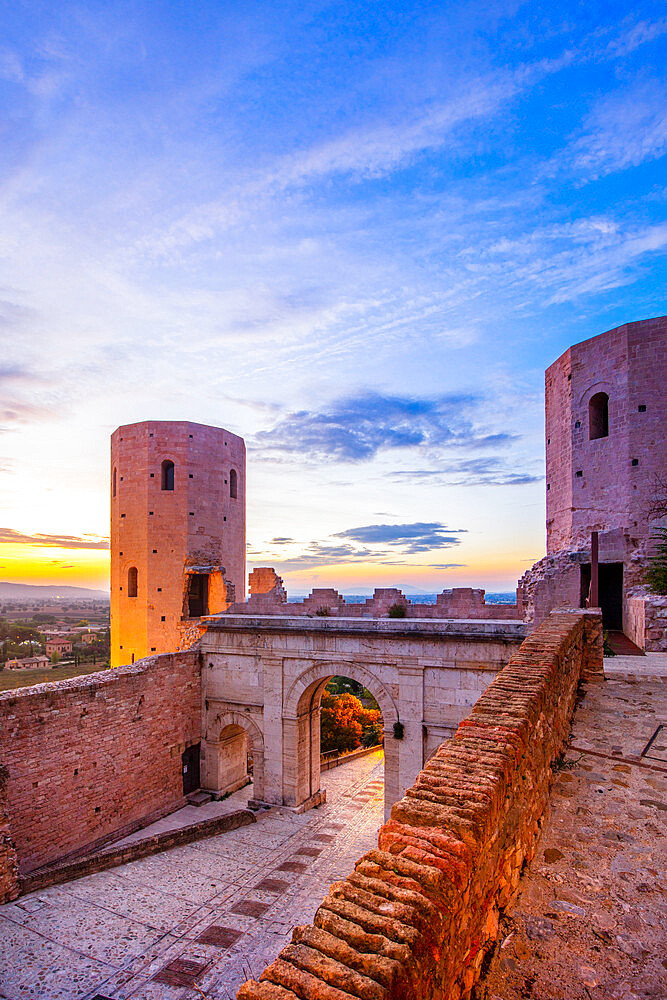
344,722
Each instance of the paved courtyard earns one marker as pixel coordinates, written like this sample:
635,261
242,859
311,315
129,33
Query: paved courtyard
590,921
212,913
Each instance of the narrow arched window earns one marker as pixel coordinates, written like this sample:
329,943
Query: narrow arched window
132,579
233,484
167,475
598,416
114,482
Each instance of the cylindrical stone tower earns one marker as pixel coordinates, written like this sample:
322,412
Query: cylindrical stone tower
177,532
606,413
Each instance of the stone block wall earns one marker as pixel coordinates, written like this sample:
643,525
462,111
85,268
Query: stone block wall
645,620
88,756
419,914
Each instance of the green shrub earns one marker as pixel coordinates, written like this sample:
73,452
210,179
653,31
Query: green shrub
656,574
397,610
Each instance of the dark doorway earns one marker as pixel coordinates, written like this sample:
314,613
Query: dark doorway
610,592
190,761
198,595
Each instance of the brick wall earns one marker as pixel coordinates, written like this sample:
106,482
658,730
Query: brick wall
88,756
419,914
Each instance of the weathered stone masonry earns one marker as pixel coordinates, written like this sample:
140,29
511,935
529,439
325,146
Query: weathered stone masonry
418,916
90,756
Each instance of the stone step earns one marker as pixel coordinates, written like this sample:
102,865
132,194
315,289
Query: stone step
113,857
199,798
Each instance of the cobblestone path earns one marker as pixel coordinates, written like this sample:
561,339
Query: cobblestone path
211,913
590,921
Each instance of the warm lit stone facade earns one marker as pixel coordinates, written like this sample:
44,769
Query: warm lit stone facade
263,677
177,533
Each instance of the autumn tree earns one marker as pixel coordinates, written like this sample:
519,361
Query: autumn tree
344,722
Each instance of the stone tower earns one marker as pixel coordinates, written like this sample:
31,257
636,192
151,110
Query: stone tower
177,532
606,453
606,413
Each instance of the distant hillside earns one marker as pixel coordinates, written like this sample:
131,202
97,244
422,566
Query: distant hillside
26,591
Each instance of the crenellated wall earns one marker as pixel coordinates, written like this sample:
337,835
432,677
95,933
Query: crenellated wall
418,915
88,757
269,597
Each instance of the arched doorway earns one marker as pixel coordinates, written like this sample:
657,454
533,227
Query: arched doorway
301,732
230,738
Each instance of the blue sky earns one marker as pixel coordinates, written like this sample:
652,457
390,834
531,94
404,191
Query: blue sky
355,234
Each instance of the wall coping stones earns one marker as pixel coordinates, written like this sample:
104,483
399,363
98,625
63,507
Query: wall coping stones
424,628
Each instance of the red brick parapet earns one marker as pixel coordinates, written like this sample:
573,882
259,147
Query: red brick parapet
419,914
89,755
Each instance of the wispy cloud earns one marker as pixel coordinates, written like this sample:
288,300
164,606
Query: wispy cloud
356,428
420,536
379,544
485,471
9,536
623,130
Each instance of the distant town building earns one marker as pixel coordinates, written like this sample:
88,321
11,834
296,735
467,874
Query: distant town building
59,646
28,663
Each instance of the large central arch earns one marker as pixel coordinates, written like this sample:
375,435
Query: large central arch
301,729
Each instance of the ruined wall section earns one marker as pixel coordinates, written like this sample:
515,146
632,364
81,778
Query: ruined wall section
88,756
269,597
163,533
418,915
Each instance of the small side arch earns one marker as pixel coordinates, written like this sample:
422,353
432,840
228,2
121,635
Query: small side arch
233,484
223,719
225,757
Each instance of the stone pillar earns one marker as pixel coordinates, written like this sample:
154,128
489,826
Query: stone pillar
272,673
391,780
592,665
411,713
